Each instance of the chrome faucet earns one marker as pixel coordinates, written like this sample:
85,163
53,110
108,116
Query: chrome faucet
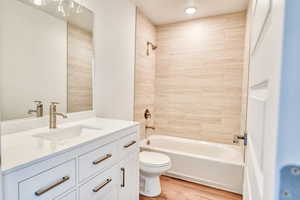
53,114
39,109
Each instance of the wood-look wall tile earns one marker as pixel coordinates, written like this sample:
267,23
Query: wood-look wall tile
199,67
80,78
144,70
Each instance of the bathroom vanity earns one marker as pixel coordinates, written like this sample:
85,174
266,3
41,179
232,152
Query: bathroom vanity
89,159
47,75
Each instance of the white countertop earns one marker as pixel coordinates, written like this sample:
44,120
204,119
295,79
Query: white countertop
22,148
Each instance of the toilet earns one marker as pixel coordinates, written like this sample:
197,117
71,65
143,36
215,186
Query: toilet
152,165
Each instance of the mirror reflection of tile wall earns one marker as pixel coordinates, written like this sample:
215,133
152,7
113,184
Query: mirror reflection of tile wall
80,61
45,58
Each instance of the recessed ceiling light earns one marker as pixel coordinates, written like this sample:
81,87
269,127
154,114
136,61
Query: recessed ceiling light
190,10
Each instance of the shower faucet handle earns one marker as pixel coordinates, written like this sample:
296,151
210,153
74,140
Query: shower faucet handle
147,114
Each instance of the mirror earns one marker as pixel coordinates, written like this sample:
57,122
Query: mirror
47,57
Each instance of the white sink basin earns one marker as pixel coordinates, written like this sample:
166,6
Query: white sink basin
63,134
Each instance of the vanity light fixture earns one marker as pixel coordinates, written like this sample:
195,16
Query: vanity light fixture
190,10
65,7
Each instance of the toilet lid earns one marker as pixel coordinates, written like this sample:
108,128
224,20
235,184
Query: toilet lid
154,159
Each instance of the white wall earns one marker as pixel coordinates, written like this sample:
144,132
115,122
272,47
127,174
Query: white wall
34,61
114,36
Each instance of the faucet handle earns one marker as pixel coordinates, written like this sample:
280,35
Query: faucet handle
54,103
38,102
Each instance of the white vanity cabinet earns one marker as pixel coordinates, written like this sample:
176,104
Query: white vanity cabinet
130,170
103,169
70,196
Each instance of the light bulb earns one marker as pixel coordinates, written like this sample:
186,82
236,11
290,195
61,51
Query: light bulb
39,2
78,9
190,10
72,4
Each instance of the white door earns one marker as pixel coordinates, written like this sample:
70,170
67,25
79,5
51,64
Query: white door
129,173
266,38
1,17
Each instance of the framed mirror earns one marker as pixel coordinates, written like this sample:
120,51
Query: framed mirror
48,57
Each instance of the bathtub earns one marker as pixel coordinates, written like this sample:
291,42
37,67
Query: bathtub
207,163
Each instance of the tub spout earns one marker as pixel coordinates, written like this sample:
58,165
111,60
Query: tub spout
150,127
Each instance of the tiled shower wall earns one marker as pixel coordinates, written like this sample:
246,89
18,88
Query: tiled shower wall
198,77
144,70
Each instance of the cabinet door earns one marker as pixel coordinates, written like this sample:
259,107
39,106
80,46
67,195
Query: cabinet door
129,171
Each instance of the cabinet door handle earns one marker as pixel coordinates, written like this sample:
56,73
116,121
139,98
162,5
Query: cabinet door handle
42,191
129,145
97,189
123,177
96,162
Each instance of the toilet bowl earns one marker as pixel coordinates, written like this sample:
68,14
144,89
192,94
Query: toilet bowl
152,165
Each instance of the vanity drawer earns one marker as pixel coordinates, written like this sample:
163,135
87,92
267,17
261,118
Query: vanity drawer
70,196
104,186
49,184
97,160
128,144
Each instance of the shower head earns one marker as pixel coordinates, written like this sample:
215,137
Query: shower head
153,47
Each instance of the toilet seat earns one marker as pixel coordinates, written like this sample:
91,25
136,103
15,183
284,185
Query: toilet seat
153,159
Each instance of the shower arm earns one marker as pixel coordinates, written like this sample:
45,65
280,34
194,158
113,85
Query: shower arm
153,47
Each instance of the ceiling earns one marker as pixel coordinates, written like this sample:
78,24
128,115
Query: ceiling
170,11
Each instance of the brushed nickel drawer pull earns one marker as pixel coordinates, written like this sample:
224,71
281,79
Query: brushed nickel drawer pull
97,189
40,192
100,160
123,177
130,144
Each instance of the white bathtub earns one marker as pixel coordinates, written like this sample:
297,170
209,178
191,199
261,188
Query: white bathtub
212,164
